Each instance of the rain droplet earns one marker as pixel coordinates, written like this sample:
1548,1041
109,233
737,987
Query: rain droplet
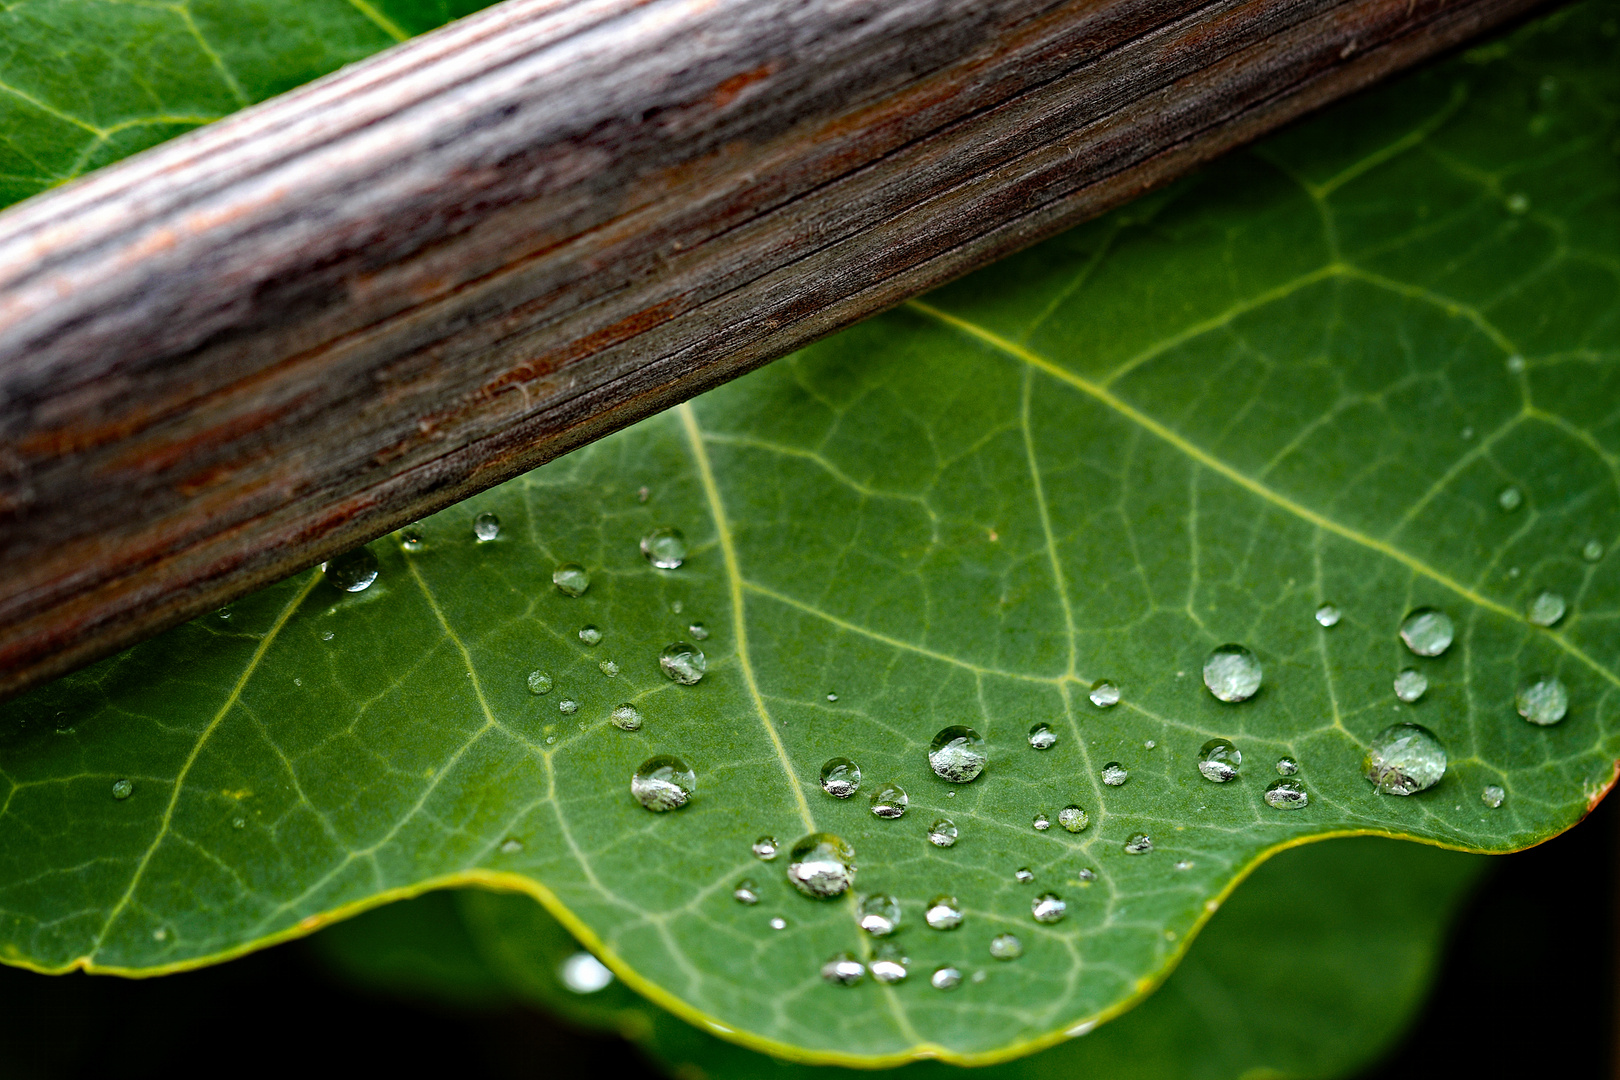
676,606
1327,615
1232,673
1139,844
1492,796
1114,774
584,974
746,892
590,635
665,548
568,706
683,662
1510,499
1048,908
539,682
1427,631
1086,875
1287,795
889,801
1287,766
1544,700
1073,818
942,833
946,978
832,697
664,782
840,777
889,964
1404,759
238,823
878,914
1218,760
1148,744
352,571
957,754
510,847
626,717
1104,694
821,865
571,579
486,527
778,923
1411,684
1593,551
1023,875
1041,736
842,969
943,913
765,848
410,537
1006,947
698,631
1546,609
122,789
1042,822
609,668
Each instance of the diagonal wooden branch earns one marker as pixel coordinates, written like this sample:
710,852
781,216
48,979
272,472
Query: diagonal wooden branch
288,333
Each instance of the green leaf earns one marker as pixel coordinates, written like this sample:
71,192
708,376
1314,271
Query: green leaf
1288,382
86,82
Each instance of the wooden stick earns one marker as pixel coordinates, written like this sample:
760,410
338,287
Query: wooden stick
238,353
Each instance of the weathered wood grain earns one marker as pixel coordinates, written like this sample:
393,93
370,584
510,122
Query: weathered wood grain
290,332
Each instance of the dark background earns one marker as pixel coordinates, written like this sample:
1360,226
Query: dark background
1528,988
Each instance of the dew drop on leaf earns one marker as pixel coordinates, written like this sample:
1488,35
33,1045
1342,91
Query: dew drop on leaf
1287,766
1104,694
1404,759
1023,875
942,833
1546,608
410,537
1232,673
584,974
889,801
122,789
1427,631
957,754
1411,684
486,527
1048,908
842,969
889,964
840,777
352,571
1287,795
1327,615
1510,499
238,823
698,631
1042,822
1492,796
571,579
821,865
945,978
1073,818
746,892
765,848
568,706
665,547
609,668
683,662
1006,947
1114,774
1218,760
1543,700
663,782
539,682
878,914
1593,551
778,923
590,635
1041,736
1138,844
626,717
943,913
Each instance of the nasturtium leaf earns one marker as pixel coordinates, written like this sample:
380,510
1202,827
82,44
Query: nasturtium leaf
1309,376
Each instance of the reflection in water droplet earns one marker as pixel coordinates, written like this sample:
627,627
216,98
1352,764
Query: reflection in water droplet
539,682
1073,818
1492,796
943,913
878,914
821,865
1411,684
698,631
1114,774
1427,631
683,662
1042,822
946,978
957,754
571,579
568,706
1287,795
1048,908
1232,673
1006,947
1023,875
1139,844
1218,760
352,571
665,548
626,717
1593,551
486,527
584,974
1546,609
122,789
663,782
1104,694
1543,700
1510,499
1404,759
410,537
590,635
942,833
765,848
1327,615
889,801
1041,736
778,923
840,777
746,892
889,964
609,668
1287,766
842,969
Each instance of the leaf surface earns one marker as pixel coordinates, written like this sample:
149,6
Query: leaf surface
1308,376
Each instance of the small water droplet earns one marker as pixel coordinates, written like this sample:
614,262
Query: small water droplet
1073,818
664,547
1492,796
1006,947
1114,774
663,782
1518,203
1287,795
1042,822
698,631
160,934
957,754
1546,609
1023,875
511,846
1404,759
609,668
238,823
486,527
1543,700
942,833
122,789
821,865
626,717
1411,684
832,697
410,537
1086,875
1104,694
1048,908
1515,363
584,974
539,682
1232,673
352,571
1467,433
1593,551
568,706
946,977
889,801
327,636
676,607
683,662
1509,499
765,848
778,923
878,914
1148,744
840,777
1138,844
1427,631
1041,736
1327,615
1218,760
943,913
746,892
571,579
889,964
590,635
1287,766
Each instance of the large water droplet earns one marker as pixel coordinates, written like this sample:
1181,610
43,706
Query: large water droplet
1404,759
1218,760
1041,736
539,682
1546,609
571,579
1427,631
765,848
878,914
1327,615
1104,694
1287,766
1048,908
683,662
663,782
1073,818
821,865
1006,947
1114,774
1593,551
1492,796
889,964
1138,844
957,754
584,974
626,717
1287,795
590,635
942,833
665,548
698,631
1411,684
943,913
122,789
840,777
1232,673
1543,700
1042,822
1509,499
746,892
486,527
946,977
889,801
352,571
842,969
